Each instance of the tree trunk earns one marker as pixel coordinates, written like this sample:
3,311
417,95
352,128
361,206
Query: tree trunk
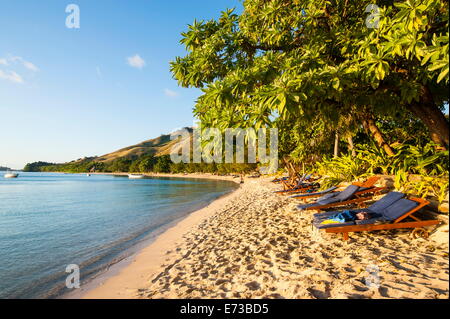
370,126
336,145
433,118
351,147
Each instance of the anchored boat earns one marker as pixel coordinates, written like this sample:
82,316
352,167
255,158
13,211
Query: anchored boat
135,176
11,175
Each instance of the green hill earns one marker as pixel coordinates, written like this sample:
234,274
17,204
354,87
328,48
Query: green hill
155,147
114,161
149,156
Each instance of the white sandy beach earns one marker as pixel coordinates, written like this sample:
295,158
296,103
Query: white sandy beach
252,243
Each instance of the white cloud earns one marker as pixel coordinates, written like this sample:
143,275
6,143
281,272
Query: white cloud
170,93
11,76
9,65
30,66
27,64
136,61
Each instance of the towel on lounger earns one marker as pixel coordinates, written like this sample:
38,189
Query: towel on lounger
342,217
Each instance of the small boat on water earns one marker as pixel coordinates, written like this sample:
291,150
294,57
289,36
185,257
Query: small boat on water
135,176
11,175
88,174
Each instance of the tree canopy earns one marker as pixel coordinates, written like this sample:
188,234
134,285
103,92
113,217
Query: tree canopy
312,67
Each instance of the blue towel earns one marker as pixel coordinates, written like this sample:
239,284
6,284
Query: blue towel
344,216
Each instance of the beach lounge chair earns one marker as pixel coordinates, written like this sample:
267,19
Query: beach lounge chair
351,195
364,188
306,186
327,194
289,181
301,189
300,180
278,180
368,183
389,212
315,194
291,187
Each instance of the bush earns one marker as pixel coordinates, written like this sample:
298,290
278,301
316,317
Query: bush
426,161
162,164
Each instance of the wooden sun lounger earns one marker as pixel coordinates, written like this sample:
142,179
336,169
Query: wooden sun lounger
368,184
396,224
290,182
289,186
300,189
360,198
310,196
278,180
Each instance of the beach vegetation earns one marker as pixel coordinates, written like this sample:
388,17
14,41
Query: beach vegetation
348,98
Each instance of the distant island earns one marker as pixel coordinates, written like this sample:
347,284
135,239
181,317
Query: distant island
151,156
3,168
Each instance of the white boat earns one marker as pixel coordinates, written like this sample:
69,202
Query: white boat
88,174
11,175
135,176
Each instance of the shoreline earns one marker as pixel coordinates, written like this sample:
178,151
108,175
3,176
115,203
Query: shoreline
252,243
232,178
123,277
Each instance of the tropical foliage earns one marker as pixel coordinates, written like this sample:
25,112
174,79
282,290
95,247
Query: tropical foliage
423,186
429,166
329,74
281,63
371,160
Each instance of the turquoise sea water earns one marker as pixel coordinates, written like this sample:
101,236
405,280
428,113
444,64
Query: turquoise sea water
49,220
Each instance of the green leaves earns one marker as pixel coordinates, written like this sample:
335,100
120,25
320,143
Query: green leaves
335,83
437,58
443,74
422,186
413,13
381,68
426,161
429,166
287,62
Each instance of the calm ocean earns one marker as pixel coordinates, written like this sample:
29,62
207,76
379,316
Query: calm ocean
49,220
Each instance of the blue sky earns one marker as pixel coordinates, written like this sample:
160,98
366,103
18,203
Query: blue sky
69,93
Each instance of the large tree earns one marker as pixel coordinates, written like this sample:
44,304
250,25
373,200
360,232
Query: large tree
282,62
